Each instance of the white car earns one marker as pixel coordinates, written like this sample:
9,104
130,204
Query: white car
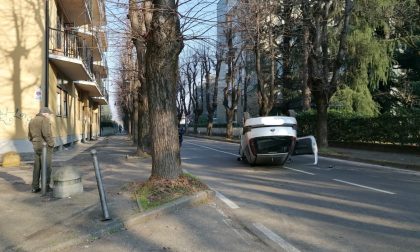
272,139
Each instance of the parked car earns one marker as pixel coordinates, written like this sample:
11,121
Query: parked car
271,140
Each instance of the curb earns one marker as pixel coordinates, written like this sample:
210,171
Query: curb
167,208
415,167
247,225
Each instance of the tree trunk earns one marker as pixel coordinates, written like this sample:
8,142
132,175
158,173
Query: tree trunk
229,123
138,26
322,120
144,143
164,43
136,113
196,117
212,106
306,91
210,125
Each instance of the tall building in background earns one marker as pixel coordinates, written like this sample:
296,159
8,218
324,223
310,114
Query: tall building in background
225,9
73,65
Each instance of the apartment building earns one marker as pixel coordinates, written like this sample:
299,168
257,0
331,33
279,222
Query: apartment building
56,62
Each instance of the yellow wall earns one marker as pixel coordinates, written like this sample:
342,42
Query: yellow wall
21,77
21,39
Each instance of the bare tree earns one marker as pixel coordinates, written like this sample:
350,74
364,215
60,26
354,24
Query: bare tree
180,99
257,23
195,90
231,91
139,15
163,45
211,94
127,87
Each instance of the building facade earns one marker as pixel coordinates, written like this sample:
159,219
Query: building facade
61,66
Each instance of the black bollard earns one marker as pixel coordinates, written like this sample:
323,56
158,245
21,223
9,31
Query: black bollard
101,190
44,169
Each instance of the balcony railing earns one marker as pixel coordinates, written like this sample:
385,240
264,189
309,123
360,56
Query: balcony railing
67,43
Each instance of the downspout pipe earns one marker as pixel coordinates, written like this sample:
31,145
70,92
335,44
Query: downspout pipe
46,55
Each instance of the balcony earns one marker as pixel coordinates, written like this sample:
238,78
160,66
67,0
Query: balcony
78,12
95,39
71,55
90,87
101,68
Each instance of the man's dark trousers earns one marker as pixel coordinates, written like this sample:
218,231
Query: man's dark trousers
38,167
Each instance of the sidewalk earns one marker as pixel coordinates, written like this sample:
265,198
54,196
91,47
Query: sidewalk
33,223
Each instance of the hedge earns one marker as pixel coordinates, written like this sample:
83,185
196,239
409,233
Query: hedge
344,127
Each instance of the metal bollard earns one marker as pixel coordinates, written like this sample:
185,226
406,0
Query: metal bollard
44,169
101,190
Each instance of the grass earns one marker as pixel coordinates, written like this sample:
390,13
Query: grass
156,192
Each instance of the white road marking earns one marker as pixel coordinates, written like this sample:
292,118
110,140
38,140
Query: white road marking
227,201
208,139
222,197
356,163
214,149
310,173
275,238
367,187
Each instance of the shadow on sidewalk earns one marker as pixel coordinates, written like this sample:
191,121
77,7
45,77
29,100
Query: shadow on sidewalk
17,182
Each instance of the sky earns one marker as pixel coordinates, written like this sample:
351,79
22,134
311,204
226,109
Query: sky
198,25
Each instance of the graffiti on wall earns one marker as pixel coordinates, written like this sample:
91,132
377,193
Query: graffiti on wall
7,117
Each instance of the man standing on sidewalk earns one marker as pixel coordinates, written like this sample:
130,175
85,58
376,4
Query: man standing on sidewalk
40,132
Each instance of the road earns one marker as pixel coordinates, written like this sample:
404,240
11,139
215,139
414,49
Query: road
335,206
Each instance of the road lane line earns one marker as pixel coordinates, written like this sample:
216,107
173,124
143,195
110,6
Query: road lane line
275,238
227,201
310,173
213,149
222,197
367,187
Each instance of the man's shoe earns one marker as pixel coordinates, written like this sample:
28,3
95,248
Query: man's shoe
49,189
36,190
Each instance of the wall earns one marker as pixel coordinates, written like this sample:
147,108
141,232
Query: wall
21,39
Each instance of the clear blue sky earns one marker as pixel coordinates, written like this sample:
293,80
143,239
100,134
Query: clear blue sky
198,20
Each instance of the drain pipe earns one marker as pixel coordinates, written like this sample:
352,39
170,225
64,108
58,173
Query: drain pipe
46,55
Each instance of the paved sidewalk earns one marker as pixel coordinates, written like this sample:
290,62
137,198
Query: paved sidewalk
33,223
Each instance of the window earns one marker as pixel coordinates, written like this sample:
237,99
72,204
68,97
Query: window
58,102
80,109
62,102
65,96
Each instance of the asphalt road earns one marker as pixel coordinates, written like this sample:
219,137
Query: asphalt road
335,206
